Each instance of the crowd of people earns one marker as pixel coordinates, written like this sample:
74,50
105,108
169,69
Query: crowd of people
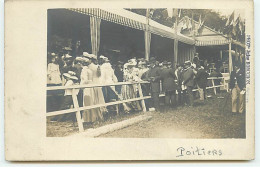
177,84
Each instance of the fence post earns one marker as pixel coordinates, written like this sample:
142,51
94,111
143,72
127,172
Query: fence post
78,115
213,84
141,96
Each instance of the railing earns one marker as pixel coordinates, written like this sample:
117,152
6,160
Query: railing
77,109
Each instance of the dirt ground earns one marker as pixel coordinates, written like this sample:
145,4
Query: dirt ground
208,119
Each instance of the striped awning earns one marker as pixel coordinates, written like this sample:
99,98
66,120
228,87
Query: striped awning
212,43
132,20
218,42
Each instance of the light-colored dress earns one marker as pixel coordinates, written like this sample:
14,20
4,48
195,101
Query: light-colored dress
94,96
108,75
130,92
53,74
90,115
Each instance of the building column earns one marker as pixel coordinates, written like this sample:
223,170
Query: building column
175,59
147,41
230,57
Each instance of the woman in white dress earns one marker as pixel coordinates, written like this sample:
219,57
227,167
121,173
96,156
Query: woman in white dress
92,96
108,77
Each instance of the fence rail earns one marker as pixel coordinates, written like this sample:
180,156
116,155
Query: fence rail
141,98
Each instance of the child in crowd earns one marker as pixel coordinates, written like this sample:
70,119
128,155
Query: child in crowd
53,77
67,100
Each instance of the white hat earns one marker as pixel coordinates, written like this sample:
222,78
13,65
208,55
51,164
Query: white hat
79,59
102,57
68,56
86,54
84,59
70,75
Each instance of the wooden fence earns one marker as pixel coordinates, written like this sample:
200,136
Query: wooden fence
77,109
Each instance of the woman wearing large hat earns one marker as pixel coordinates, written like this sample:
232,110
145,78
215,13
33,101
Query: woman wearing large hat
92,96
130,91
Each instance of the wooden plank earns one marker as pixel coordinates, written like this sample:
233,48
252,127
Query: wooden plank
78,109
78,115
107,104
142,97
213,85
93,85
111,127
94,106
230,58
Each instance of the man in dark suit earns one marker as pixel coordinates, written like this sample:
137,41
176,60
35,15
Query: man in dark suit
120,75
178,74
168,81
237,85
188,80
153,76
201,80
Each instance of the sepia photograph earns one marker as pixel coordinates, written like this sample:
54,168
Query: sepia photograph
146,73
129,81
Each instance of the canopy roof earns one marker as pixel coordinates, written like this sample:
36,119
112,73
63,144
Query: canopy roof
133,20
205,36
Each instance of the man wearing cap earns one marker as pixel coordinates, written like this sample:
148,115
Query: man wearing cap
188,81
153,76
237,86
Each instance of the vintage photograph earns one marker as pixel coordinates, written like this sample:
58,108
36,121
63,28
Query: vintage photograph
129,81
146,73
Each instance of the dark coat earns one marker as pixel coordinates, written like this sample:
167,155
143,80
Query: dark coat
202,78
119,74
188,77
153,73
78,69
179,78
168,79
239,77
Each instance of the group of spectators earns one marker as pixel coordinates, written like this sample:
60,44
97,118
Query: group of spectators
177,84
